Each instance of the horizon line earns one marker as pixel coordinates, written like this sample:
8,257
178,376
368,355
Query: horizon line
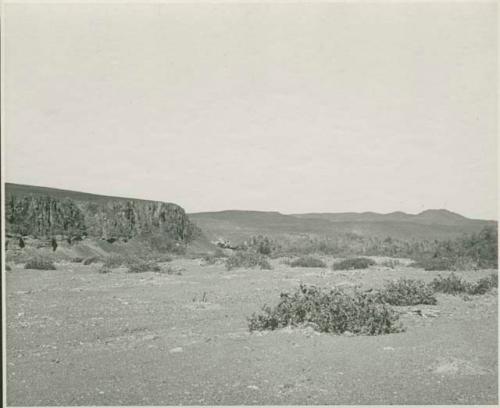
252,210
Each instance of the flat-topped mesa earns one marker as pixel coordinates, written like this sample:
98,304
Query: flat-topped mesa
42,215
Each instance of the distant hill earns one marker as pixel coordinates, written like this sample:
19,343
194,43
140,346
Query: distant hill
238,225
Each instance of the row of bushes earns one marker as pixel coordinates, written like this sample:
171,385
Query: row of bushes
133,264
453,284
339,311
472,251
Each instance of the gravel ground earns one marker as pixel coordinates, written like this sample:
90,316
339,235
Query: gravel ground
79,337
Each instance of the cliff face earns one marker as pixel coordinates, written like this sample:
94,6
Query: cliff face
43,215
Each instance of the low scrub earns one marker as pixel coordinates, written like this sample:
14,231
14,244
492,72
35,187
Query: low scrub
390,263
140,265
40,263
451,284
117,260
247,259
330,311
91,260
454,285
214,258
77,260
484,285
104,269
8,268
308,262
436,264
172,270
353,263
407,292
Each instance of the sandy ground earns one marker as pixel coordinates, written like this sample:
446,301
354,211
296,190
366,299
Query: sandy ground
78,337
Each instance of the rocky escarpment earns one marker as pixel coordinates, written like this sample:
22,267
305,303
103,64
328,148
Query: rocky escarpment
45,215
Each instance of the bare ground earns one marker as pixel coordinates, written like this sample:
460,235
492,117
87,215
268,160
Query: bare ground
78,337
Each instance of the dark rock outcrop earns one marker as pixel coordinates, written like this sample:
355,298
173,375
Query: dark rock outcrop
43,215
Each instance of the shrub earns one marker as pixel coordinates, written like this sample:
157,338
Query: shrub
163,258
483,285
247,259
171,270
90,260
77,260
407,292
436,264
104,269
8,268
216,257
308,262
334,311
116,260
353,263
261,244
140,265
40,263
452,284
390,263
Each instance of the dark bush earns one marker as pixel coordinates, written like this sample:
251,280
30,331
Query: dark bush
214,258
172,270
407,292
104,269
484,285
330,311
140,265
91,260
247,259
8,268
261,244
390,263
117,260
451,284
40,263
435,264
308,262
454,285
77,260
353,263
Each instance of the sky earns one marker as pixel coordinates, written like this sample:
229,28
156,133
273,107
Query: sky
319,107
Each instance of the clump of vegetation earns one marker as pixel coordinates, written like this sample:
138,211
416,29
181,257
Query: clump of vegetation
329,311
141,265
353,263
454,285
163,258
40,263
451,284
116,260
260,244
77,260
247,259
484,285
91,260
161,243
390,263
308,262
407,292
435,264
214,258
104,269
171,270
8,268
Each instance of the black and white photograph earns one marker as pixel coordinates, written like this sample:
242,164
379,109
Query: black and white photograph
231,203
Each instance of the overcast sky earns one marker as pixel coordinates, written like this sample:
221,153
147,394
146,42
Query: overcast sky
295,108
